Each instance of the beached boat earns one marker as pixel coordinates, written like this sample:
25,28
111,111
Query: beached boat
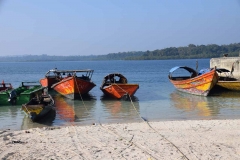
38,107
227,81
190,81
5,86
74,83
51,77
116,86
18,96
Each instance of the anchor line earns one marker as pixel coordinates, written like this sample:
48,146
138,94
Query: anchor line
152,127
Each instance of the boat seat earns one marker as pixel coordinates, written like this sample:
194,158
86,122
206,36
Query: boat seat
45,96
46,99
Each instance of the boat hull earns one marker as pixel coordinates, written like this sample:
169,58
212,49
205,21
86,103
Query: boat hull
73,87
229,85
4,96
119,90
36,112
199,85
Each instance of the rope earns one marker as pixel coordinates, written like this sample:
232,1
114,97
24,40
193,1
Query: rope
122,89
80,93
129,141
26,109
144,120
71,124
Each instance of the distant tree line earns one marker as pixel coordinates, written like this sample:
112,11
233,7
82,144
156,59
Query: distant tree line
192,51
188,52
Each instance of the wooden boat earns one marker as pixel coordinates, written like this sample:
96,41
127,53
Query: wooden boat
193,82
116,86
38,107
73,86
18,96
51,77
5,86
227,81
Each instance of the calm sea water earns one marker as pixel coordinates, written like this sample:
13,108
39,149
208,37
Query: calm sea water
155,100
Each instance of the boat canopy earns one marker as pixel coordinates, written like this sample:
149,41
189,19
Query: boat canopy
112,75
222,70
68,71
55,72
113,78
183,67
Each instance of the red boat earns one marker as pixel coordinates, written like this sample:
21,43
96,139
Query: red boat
51,77
116,86
72,85
5,86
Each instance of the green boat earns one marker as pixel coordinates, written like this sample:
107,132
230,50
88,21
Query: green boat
23,94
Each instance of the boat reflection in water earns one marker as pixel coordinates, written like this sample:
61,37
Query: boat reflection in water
47,120
198,106
224,93
73,110
218,105
119,110
64,109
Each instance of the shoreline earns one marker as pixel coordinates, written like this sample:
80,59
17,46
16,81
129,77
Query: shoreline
187,139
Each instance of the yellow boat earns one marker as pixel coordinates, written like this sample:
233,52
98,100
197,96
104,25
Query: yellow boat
193,82
227,81
38,107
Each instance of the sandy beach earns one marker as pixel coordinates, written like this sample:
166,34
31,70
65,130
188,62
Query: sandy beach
195,139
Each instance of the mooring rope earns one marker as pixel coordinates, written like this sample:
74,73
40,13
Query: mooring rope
140,118
152,127
130,141
80,93
27,109
156,130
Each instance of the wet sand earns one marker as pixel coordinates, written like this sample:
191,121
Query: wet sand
200,139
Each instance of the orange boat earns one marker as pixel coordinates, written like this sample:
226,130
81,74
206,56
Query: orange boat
51,77
5,86
72,85
196,83
115,85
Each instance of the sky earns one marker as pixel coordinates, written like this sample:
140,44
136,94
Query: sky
100,27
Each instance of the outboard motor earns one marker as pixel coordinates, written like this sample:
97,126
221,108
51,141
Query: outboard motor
12,97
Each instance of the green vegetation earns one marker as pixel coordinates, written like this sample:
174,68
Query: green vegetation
188,52
193,51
